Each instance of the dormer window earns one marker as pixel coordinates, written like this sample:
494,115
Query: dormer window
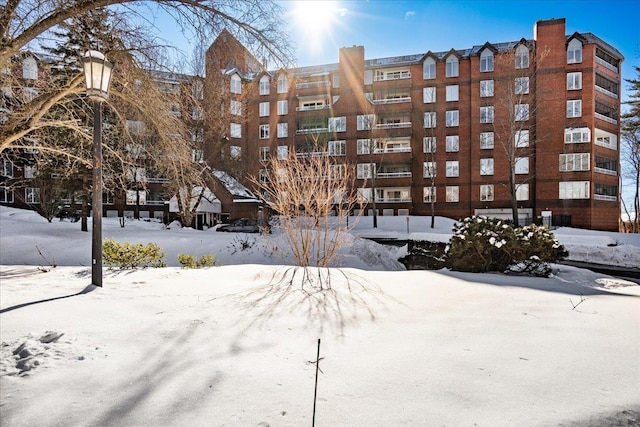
486,61
264,85
452,66
429,69
522,57
283,84
30,69
574,52
236,84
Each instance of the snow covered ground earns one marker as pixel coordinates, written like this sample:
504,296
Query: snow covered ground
233,345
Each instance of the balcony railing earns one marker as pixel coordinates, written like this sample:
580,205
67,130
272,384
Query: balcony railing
312,107
393,175
393,125
610,145
606,64
605,171
151,180
392,76
312,130
310,85
606,119
387,150
605,197
606,92
383,101
312,154
393,199
156,202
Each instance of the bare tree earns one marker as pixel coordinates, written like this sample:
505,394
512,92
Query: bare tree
630,148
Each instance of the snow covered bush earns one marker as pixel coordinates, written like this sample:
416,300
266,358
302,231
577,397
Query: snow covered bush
189,261
128,256
483,244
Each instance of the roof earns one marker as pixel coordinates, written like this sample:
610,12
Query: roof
232,185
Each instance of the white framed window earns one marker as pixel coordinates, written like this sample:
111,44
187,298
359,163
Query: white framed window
486,61
363,146
6,195
236,84
264,85
196,114
365,121
453,193
430,119
452,144
574,108
521,166
364,170
6,168
338,171
486,192
283,107
522,57
574,81
429,169
574,52
338,148
452,118
337,124
283,84
235,152
263,131
486,166
235,108
29,93
453,168
264,109
134,197
486,114
429,144
451,66
283,130
32,195
521,138
577,135
30,172
283,152
573,162
486,140
522,85
486,88
521,112
236,130
574,190
452,93
263,175
429,69
30,68
264,154
197,89
522,192
429,194
368,77
429,95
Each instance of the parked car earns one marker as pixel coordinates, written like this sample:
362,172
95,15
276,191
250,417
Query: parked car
241,225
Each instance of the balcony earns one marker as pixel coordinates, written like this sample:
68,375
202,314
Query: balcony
605,197
313,85
393,125
306,154
393,195
310,131
382,76
156,202
606,64
606,92
313,107
605,171
402,174
152,180
606,119
386,101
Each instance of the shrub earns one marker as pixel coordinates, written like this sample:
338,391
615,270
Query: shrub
128,256
483,244
189,261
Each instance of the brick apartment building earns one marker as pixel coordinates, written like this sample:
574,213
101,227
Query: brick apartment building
441,127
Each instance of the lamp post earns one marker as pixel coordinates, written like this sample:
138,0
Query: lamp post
97,73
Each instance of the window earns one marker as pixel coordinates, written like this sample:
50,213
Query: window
486,114
32,195
574,52
429,144
453,193
486,140
486,192
30,69
521,138
522,57
452,118
264,132
197,89
522,165
283,107
134,197
573,190
6,195
235,152
283,130
364,146
522,192
522,85
429,194
452,93
486,61
605,192
283,152
264,85
235,108
364,170
263,175
453,168
283,84
452,66
577,135
368,77
486,166
264,109
29,93
338,172
196,114
30,172
521,112
236,84
6,168
573,162
236,130
429,69
338,148
486,88
365,121
337,124
453,144
429,169
429,95
574,81
574,108
430,119
264,154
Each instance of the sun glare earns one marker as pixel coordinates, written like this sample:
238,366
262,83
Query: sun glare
316,21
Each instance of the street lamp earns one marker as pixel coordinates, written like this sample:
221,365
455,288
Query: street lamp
97,73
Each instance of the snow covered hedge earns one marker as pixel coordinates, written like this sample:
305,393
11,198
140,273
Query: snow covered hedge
483,244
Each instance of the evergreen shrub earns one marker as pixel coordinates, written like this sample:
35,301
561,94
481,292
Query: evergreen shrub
189,261
131,256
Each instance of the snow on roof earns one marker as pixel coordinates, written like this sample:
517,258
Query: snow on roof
232,185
